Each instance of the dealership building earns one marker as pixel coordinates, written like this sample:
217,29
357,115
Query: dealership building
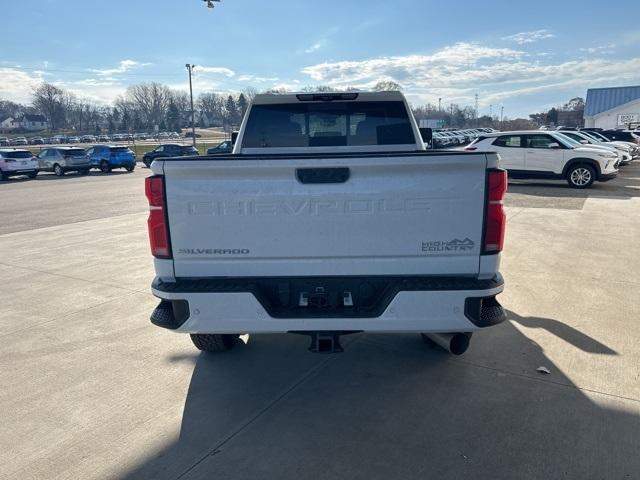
615,107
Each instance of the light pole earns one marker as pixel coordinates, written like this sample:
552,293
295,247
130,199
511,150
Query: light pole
193,123
440,104
501,114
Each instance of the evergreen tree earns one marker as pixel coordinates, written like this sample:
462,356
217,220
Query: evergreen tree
173,117
242,105
231,110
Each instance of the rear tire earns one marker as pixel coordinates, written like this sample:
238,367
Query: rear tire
130,169
83,172
581,176
3,176
57,169
32,174
105,167
215,342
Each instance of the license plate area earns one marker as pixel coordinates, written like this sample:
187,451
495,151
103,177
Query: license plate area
321,297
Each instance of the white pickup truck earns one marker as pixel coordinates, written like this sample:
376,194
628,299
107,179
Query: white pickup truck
329,217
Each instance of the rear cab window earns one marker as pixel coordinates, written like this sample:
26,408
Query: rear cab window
328,124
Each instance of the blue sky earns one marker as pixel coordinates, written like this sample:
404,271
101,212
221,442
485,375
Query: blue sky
525,56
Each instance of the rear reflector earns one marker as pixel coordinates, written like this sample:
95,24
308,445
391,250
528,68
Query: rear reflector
495,218
157,222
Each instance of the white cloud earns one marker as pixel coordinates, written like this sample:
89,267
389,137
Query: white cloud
457,72
214,70
17,85
315,47
257,79
600,50
123,67
529,37
435,68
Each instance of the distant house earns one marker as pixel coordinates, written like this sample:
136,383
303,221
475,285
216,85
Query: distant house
6,122
32,122
614,107
207,121
25,122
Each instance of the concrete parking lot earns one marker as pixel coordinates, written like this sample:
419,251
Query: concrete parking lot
91,390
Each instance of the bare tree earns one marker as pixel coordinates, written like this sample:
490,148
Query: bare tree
151,100
212,105
181,101
387,86
249,93
49,99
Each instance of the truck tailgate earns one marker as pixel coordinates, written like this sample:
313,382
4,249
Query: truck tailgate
409,214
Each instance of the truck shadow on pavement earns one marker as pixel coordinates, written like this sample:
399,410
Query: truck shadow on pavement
391,407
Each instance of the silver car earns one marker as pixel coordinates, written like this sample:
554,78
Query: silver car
64,159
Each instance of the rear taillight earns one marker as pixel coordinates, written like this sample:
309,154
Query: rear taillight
495,219
470,148
157,222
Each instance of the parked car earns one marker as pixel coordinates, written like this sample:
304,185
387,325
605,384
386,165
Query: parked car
103,138
440,141
169,150
622,136
624,151
19,141
108,157
224,147
245,246
633,148
454,140
162,135
87,138
4,142
59,139
60,160
189,134
174,135
16,161
36,141
537,154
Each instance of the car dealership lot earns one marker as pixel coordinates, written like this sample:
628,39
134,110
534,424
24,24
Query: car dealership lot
93,390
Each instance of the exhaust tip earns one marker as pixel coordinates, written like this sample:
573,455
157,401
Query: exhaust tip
459,344
454,343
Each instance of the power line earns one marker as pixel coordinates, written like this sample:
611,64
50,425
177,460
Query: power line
92,71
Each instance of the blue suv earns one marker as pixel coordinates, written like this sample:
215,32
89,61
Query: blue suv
108,157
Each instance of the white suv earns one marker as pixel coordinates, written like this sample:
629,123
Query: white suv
536,154
17,161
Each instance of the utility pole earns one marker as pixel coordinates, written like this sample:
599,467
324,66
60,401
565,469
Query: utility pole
491,112
440,104
476,112
501,114
193,123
